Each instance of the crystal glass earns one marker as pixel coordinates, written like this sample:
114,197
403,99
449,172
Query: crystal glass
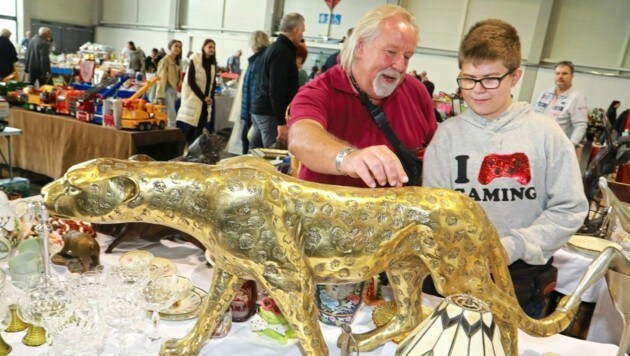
159,295
78,332
42,303
89,288
120,310
132,277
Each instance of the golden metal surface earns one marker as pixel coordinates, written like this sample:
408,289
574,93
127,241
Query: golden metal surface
288,234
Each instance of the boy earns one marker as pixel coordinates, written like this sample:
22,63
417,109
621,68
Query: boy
518,164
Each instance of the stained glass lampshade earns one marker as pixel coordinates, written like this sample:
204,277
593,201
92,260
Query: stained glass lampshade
460,325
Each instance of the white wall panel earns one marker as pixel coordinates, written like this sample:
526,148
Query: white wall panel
350,11
201,13
247,15
440,22
593,33
120,11
519,13
150,13
77,12
154,12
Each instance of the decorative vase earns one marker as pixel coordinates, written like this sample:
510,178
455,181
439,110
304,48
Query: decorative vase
244,304
338,303
460,325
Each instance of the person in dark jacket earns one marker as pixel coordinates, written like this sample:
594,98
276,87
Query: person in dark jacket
8,54
151,62
37,63
259,42
277,81
611,114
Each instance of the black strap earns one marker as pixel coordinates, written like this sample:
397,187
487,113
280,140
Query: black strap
378,115
408,158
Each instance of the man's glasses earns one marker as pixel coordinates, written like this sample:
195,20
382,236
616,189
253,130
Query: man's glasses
487,83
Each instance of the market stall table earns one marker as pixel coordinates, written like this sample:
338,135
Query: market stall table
241,340
50,144
9,132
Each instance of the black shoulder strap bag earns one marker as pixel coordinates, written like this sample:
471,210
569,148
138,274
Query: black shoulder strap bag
410,161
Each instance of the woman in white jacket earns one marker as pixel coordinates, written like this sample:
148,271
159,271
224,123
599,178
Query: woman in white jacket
196,109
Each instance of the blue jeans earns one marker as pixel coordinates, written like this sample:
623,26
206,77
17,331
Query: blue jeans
169,101
267,125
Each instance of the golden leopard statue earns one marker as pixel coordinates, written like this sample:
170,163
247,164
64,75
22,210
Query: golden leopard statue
288,234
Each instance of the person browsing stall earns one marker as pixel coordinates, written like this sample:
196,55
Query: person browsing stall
277,80
37,57
198,92
169,78
565,103
516,163
8,54
331,131
259,41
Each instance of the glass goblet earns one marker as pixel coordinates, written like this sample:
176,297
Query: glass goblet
39,305
80,331
120,310
159,295
132,277
12,293
88,288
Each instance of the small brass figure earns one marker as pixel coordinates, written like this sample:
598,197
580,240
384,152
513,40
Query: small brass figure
78,247
289,234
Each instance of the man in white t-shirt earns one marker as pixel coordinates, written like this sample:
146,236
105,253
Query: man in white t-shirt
565,104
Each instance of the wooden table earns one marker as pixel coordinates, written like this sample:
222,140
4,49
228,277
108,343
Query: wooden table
50,144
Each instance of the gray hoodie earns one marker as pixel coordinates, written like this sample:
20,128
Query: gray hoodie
521,168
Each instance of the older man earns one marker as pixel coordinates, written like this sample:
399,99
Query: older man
565,104
277,81
38,56
333,134
8,54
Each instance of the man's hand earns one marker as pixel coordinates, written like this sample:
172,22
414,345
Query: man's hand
283,133
375,165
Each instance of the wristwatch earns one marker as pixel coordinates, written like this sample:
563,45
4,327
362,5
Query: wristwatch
340,156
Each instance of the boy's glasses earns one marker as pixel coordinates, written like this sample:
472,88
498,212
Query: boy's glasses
487,83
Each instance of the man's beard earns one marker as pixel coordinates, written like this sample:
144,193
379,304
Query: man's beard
382,87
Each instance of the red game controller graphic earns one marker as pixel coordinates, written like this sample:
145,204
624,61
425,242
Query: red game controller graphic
515,166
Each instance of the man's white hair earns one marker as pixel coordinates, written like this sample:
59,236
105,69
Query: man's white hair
368,28
43,30
5,33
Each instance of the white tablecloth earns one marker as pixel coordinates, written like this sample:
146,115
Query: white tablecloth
241,341
571,267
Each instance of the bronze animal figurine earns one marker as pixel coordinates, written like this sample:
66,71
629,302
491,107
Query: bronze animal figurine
289,234
149,232
81,246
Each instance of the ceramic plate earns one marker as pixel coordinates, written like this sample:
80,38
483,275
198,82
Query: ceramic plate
162,267
188,307
590,244
135,257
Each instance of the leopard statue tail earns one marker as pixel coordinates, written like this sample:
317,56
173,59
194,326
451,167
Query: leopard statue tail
553,324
